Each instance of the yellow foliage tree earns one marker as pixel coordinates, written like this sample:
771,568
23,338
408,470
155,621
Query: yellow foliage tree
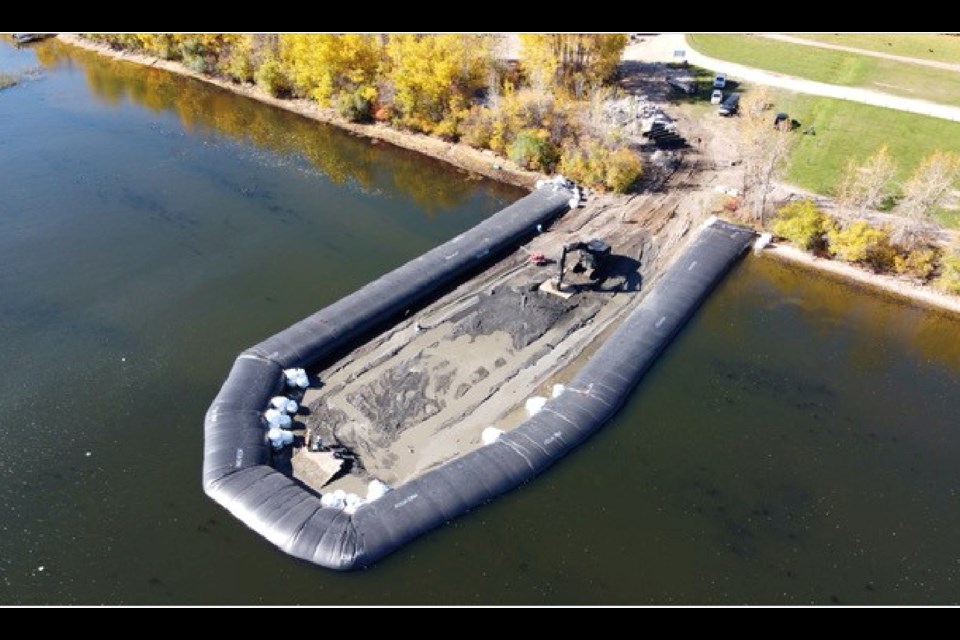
164,45
572,61
322,65
238,60
433,77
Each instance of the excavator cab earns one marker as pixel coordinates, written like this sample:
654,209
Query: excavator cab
592,257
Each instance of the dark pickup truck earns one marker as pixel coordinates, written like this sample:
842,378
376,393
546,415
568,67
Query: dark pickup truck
729,106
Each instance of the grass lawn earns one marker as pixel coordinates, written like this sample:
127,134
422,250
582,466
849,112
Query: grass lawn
928,46
852,130
949,219
833,67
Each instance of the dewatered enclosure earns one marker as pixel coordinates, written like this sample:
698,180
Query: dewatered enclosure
237,471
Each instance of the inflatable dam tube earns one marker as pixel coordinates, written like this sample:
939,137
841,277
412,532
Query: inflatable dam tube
332,328
237,472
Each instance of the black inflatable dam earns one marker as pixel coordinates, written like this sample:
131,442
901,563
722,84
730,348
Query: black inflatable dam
236,469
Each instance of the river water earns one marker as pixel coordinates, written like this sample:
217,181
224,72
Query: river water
797,444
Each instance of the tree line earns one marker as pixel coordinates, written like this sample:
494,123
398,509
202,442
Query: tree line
906,243
454,86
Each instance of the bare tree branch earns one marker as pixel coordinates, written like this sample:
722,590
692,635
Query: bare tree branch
924,193
765,146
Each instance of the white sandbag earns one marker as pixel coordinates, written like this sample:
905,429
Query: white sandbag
557,390
286,438
490,435
302,380
294,376
535,404
284,421
291,407
353,502
332,500
273,417
275,436
278,402
376,490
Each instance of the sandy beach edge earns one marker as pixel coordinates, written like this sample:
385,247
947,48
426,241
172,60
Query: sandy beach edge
465,157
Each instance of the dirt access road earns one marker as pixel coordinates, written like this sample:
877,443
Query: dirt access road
660,48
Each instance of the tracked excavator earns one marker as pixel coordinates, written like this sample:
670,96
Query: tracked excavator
591,257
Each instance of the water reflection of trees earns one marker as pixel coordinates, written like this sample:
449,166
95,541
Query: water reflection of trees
931,333
343,158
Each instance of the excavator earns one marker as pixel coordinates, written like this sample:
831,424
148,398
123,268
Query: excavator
593,255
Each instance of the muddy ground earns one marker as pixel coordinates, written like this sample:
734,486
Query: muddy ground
422,392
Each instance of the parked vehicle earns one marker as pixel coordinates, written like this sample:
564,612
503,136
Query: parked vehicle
730,105
716,97
720,81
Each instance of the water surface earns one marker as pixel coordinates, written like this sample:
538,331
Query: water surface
797,444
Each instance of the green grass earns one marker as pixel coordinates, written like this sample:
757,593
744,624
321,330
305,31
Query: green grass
927,46
852,130
833,67
949,218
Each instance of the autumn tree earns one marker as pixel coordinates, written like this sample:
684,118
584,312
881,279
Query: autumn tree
925,191
435,76
949,279
866,186
803,223
574,62
765,149
861,242
238,60
323,65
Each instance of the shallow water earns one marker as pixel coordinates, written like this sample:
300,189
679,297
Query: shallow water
797,444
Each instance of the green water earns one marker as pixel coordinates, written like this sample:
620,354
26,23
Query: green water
797,444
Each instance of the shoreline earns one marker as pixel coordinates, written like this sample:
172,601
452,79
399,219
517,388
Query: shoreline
885,285
483,162
464,157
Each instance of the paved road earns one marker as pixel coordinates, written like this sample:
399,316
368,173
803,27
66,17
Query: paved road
936,64
660,49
